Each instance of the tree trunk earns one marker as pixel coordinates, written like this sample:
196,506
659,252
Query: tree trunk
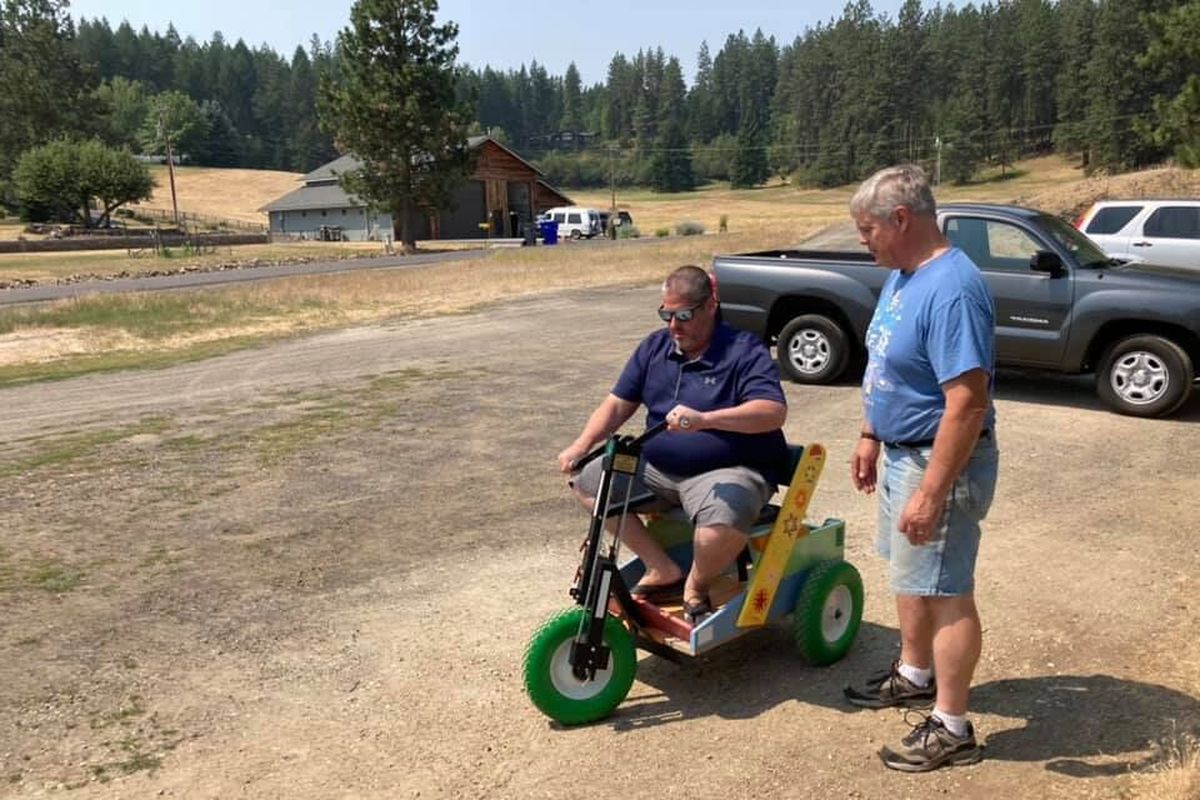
402,223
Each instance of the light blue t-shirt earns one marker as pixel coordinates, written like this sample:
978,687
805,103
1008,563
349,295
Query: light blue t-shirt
930,326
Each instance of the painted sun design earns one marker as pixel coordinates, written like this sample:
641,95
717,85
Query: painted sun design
760,600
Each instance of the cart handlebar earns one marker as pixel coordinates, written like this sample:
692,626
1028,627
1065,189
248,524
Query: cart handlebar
639,440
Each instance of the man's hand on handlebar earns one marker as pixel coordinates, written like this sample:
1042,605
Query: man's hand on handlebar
682,418
568,457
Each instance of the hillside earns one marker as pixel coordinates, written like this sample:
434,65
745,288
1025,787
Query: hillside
1050,183
233,194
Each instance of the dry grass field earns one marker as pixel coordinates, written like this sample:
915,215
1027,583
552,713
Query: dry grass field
69,335
233,194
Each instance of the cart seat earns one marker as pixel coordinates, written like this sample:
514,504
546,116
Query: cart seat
771,510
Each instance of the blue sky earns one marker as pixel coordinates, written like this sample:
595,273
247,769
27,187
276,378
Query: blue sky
504,35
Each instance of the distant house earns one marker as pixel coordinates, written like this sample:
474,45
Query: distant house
503,195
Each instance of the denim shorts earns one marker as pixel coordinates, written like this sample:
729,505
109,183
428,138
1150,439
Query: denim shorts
732,496
945,565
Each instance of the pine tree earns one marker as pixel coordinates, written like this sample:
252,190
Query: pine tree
671,167
1076,19
1173,56
750,167
702,122
395,108
45,92
572,116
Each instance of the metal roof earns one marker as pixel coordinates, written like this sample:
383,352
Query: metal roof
325,195
322,190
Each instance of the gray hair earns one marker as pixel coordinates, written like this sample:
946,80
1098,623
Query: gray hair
690,283
892,187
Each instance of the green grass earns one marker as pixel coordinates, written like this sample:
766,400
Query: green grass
47,575
116,360
55,577
151,317
275,443
58,450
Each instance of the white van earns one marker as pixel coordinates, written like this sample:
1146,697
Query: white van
1163,232
575,221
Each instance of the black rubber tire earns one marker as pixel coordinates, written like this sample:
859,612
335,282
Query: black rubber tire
577,234
558,693
1144,376
812,348
828,612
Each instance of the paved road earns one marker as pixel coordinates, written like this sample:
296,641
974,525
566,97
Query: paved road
191,280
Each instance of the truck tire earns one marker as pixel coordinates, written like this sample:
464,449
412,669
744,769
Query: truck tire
1144,376
812,348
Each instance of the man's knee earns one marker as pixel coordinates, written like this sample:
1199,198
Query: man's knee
719,535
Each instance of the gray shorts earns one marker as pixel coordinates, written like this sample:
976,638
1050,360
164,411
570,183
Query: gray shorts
732,496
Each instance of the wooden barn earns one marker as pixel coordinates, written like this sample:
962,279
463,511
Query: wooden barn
503,196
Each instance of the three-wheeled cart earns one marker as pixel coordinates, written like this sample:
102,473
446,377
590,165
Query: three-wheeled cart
581,663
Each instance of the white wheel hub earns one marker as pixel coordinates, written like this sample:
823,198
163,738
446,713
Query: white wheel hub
836,613
564,680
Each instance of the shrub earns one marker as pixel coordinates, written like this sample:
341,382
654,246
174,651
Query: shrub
628,232
724,224
689,228
661,232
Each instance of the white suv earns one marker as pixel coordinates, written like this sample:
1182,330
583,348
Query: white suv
1163,232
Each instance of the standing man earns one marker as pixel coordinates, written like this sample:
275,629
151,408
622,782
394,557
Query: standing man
927,405
723,452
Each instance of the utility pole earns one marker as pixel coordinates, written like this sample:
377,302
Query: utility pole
937,170
162,131
612,178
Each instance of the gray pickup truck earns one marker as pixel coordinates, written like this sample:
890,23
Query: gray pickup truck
1061,305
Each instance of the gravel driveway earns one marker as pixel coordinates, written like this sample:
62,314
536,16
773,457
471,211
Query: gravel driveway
311,569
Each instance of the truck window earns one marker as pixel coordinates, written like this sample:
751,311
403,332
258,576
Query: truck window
1086,252
573,219
560,218
993,245
1112,219
1174,222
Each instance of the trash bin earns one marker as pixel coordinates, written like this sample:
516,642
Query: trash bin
549,229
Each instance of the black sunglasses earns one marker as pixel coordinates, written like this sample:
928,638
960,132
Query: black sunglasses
682,314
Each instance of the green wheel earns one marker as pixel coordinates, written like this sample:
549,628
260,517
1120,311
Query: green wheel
553,687
828,612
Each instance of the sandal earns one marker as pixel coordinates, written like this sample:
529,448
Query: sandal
696,610
659,591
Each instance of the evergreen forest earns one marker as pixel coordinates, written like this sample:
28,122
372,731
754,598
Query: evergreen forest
957,87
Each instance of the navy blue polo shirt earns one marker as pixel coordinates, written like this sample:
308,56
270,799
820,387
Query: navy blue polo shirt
735,368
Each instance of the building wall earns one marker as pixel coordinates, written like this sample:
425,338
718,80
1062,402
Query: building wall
357,224
469,208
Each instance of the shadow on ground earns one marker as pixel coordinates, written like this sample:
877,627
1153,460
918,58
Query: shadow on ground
747,677
1069,718
1071,391
1081,726
1048,388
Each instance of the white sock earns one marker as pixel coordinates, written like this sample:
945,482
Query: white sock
920,677
955,724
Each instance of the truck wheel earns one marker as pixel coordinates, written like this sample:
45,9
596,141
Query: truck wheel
812,349
828,612
553,687
576,234
1144,376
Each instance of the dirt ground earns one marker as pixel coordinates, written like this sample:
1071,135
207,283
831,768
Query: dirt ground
311,570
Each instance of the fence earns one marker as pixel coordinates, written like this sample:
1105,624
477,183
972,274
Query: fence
133,242
191,220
